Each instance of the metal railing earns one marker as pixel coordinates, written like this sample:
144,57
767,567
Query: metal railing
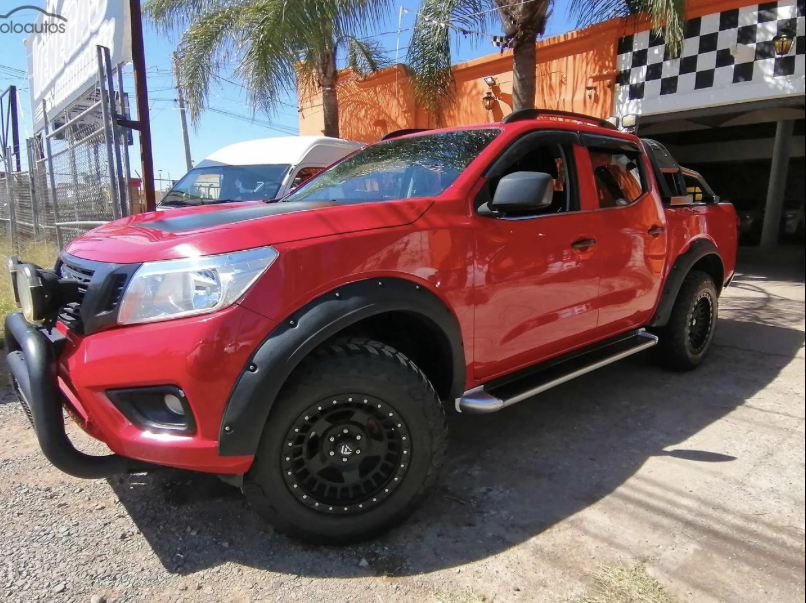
77,168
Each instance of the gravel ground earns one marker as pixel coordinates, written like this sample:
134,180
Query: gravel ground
698,477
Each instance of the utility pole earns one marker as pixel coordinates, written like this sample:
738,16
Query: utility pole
143,120
9,129
183,120
397,44
15,131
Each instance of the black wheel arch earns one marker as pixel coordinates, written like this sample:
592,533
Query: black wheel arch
701,255
320,321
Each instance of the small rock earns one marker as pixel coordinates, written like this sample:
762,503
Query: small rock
363,563
97,599
59,588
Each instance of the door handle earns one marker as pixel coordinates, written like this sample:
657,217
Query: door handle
583,243
656,230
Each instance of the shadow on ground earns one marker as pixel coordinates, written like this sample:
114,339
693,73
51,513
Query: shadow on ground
509,476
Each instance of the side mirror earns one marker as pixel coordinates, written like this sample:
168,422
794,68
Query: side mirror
523,192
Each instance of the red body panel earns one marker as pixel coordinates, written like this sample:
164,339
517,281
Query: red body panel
132,239
520,291
203,356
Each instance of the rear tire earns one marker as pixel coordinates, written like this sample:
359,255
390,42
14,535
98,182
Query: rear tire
351,447
687,337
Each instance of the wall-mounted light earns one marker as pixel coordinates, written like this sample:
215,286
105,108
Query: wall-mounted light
488,101
783,42
490,81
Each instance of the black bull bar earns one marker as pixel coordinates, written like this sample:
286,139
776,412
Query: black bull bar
32,359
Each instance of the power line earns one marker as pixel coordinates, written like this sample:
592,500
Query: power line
246,118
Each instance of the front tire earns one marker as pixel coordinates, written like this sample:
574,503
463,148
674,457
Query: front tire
687,338
353,443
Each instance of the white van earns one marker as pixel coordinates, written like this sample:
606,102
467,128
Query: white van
256,170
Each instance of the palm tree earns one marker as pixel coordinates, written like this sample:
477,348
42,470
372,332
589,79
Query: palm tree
271,46
439,22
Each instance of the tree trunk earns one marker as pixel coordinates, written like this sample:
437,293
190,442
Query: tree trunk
524,63
330,102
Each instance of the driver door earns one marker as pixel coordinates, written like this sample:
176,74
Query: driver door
536,276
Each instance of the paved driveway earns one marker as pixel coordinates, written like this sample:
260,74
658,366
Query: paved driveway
700,477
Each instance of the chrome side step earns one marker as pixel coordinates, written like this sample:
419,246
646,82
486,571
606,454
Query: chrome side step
482,400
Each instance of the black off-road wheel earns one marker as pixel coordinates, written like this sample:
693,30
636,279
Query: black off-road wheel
352,445
687,338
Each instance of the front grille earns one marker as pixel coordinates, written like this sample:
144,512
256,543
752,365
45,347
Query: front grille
117,287
100,291
70,314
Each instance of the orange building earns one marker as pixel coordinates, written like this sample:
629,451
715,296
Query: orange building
575,72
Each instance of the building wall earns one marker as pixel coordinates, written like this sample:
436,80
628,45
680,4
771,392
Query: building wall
588,71
575,72
728,57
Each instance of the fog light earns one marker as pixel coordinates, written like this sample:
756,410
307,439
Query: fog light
174,404
158,409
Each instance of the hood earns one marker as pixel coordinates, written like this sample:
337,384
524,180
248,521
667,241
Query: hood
236,226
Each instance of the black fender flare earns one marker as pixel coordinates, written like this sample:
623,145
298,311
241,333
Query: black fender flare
269,367
698,250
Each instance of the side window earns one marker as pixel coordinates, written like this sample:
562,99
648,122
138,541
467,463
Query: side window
550,158
619,177
304,175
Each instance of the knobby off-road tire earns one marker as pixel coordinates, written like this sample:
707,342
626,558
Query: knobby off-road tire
352,445
687,338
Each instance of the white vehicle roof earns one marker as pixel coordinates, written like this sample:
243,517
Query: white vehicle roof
292,150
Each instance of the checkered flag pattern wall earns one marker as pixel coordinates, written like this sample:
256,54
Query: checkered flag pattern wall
721,49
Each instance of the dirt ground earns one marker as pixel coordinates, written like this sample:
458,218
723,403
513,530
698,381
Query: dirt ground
698,478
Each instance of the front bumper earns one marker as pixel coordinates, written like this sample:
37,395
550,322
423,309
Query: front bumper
55,369
32,354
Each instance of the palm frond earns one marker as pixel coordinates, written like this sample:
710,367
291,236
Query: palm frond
667,16
365,56
205,46
668,20
429,54
274,44
175,14
269,52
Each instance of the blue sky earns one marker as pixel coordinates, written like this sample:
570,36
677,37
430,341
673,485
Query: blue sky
216,130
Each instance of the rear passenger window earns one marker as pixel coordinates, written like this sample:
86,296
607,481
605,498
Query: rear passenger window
619,178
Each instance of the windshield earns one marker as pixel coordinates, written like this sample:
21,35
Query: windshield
401,168
221,183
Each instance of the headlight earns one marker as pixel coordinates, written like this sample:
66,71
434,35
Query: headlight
178,288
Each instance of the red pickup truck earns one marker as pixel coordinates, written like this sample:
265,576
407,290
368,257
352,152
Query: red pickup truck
306,351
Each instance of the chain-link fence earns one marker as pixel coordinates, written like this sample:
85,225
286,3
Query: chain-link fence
78,169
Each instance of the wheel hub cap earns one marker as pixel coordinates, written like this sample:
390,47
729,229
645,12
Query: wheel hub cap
700,323
346,454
